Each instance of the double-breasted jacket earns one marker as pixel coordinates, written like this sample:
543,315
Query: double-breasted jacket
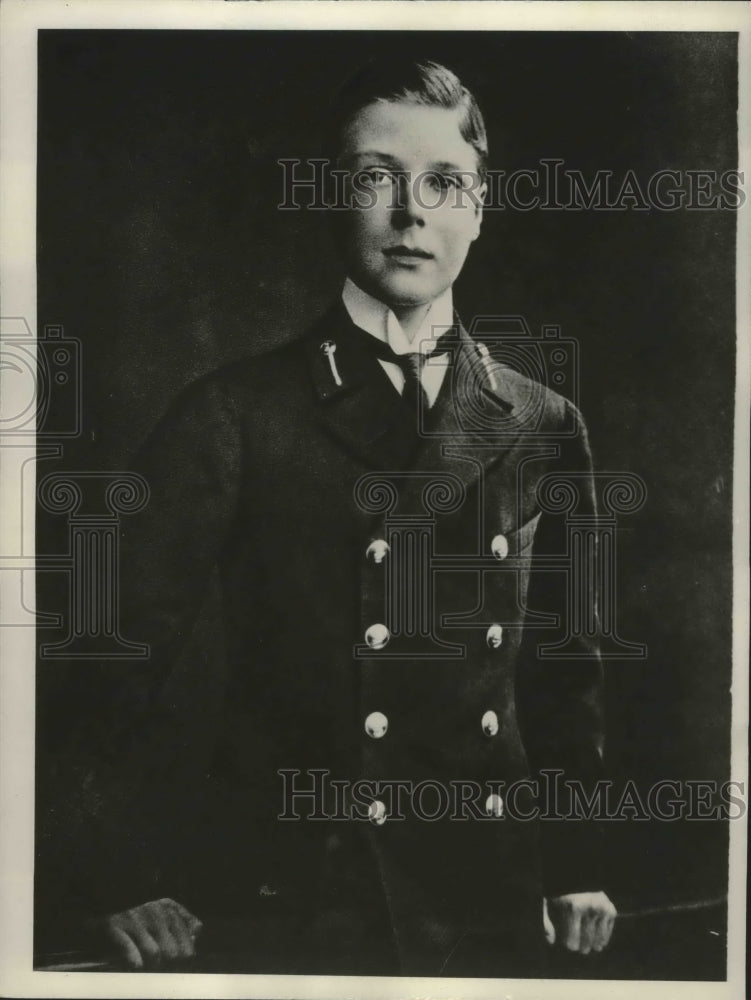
388,580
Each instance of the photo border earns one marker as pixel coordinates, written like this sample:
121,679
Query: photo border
19,22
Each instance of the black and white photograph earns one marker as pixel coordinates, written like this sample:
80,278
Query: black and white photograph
375,487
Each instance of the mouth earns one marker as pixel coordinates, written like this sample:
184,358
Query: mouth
405,253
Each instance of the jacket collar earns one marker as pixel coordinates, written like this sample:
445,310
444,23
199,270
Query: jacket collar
379,321
471,427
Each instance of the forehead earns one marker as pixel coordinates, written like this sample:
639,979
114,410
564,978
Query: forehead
415,135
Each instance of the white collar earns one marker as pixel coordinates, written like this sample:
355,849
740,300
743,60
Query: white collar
373,316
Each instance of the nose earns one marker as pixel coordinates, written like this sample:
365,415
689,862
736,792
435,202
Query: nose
408,208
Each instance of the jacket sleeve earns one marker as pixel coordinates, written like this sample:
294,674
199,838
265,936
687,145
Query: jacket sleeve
191,465
105,793
560,697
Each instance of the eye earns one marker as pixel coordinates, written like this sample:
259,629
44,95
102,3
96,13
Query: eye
443,182
377,177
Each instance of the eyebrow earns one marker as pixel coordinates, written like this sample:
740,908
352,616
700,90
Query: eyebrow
374,154
447,167
440,166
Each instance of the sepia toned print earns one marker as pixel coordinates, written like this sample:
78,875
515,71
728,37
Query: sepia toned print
382,542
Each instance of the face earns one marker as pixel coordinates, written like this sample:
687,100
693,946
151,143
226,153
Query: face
417,201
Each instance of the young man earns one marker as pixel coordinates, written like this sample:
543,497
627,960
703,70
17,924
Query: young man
370,496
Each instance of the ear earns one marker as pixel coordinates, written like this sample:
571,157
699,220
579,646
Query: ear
479,206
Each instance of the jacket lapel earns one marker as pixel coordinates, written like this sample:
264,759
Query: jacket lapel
471,428
359,404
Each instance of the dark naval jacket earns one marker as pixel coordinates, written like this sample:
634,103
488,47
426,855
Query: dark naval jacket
386,588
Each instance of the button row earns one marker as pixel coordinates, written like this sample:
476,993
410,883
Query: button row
376,724
377,636
379,548
377,810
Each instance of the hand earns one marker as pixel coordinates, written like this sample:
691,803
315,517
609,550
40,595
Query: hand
580,921
153,934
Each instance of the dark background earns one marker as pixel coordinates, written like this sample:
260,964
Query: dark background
160,247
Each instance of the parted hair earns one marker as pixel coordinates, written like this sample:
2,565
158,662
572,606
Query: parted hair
412,82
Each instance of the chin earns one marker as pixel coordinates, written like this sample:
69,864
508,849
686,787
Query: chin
405,294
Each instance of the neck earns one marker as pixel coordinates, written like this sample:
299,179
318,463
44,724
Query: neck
410,318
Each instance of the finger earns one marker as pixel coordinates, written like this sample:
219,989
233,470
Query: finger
181,932
125,946
588,929
149,949
601,932
195,925
571,931
547,923
160,930
190,921
610,925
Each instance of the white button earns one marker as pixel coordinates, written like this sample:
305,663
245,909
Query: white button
494,805
377,636
377,813
499,546
378,550
494,637
376,725
490,723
